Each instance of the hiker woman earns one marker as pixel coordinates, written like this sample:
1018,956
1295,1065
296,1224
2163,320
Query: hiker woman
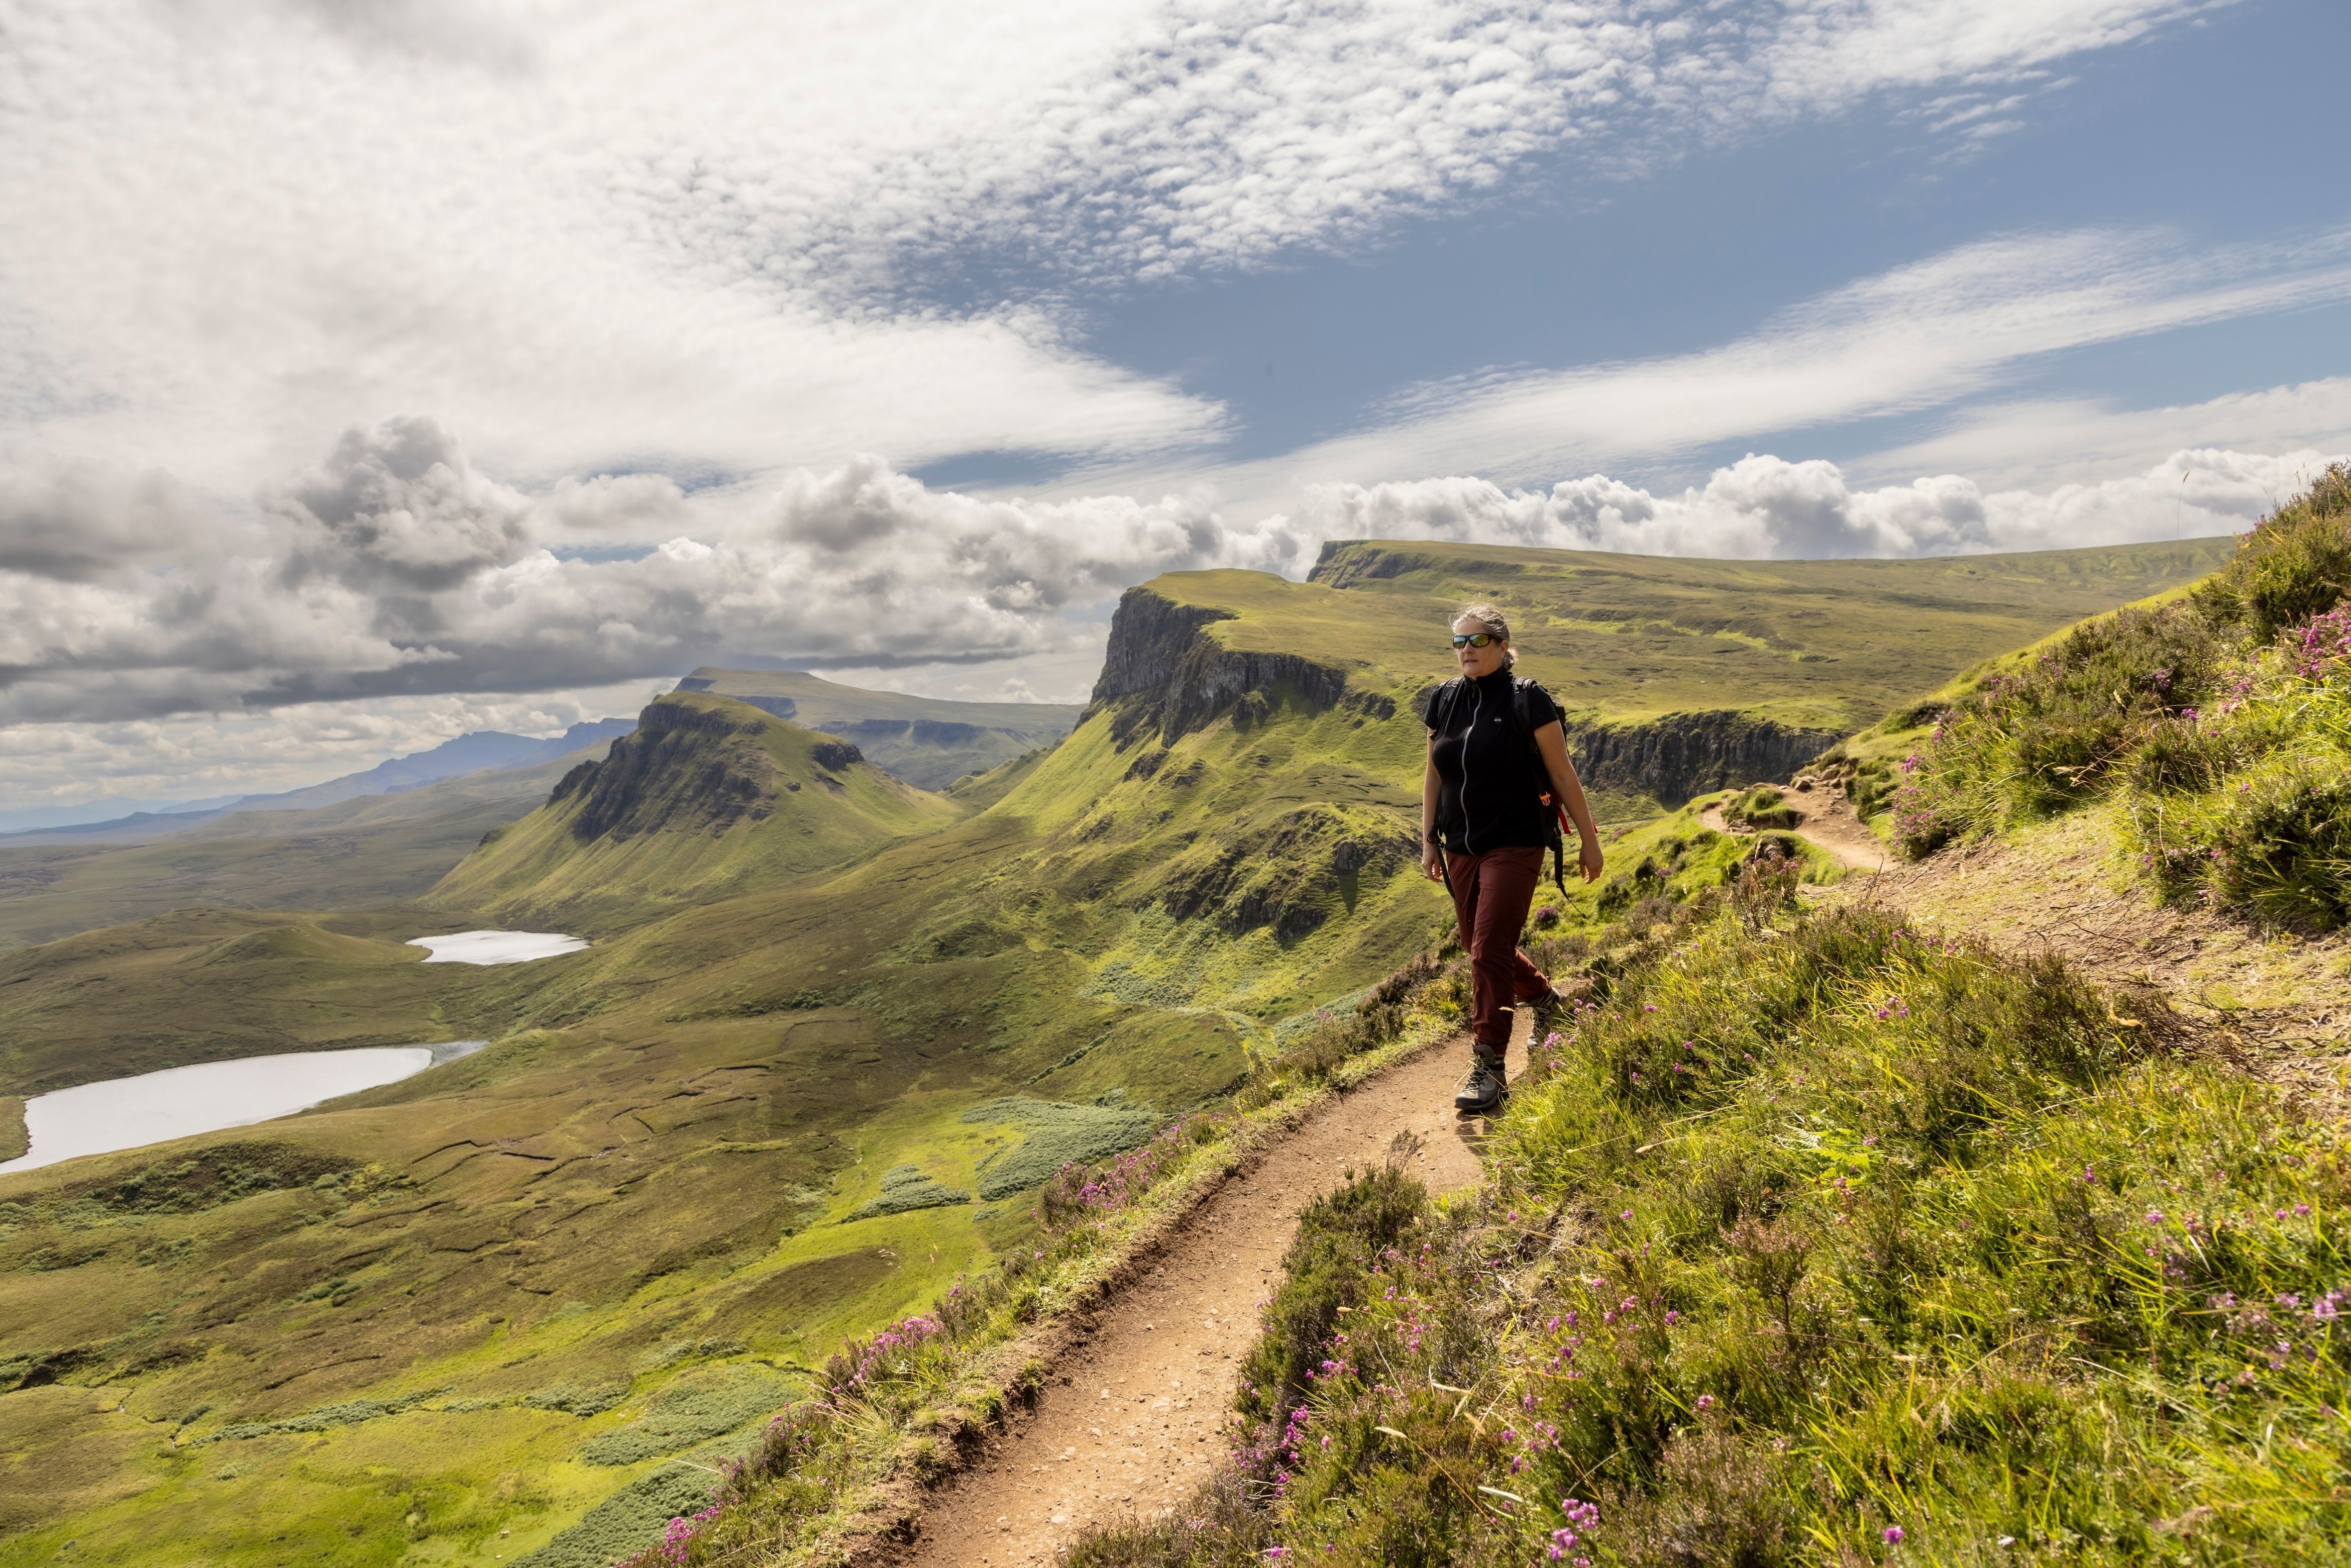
1497,774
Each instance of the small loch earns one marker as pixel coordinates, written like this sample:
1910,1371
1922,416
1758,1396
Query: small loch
496,946
205,1096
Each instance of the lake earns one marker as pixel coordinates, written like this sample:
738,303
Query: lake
154,1107
496,946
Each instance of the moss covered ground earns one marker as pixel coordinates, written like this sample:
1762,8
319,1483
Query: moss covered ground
635,1204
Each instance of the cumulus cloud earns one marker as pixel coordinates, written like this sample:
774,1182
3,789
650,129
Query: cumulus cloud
1764,506
77,521
396,569
400,509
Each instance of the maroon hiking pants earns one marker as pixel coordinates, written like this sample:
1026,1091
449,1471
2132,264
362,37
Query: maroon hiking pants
1490,893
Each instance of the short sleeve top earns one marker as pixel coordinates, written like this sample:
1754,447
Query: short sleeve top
1490,778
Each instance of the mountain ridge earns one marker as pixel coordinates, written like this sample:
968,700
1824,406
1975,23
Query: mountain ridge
930,742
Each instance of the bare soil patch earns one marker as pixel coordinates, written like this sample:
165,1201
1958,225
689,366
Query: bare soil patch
1132,1415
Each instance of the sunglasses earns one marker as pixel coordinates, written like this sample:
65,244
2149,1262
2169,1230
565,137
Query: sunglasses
1475,640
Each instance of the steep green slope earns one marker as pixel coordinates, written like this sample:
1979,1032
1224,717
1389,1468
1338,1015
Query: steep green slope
644,1190
709,797
354,854
929,742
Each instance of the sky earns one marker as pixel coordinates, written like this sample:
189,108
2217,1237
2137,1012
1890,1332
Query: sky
372,371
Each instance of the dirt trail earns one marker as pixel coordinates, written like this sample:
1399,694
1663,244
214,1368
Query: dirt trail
2269,1003
1828,823
1130,1418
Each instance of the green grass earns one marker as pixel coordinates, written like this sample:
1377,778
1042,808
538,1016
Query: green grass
668,1140
708,799
2219,722
1814,645
1816,1241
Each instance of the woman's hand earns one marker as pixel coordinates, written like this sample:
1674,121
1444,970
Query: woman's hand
1432,861
1587,856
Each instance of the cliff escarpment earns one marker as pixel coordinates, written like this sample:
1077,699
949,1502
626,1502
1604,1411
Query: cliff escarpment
1162,670
1682,755
684,770
708,799
1676,757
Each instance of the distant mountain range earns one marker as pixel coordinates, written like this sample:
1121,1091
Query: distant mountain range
470,753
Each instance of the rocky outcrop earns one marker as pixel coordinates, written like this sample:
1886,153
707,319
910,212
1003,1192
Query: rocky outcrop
833,755
1685,754
1162,672
687,769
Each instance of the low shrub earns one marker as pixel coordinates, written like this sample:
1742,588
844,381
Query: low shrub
1761,807
1824,1242
2295,566
2221,725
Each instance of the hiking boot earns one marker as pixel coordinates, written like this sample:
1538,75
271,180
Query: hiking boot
1547,1010
1484,1090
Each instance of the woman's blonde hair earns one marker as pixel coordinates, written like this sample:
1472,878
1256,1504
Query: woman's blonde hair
1489,617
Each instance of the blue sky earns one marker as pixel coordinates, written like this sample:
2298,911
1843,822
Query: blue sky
372,372
2227,128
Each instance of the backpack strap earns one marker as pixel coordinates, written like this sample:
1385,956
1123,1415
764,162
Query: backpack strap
1441,705
1523,690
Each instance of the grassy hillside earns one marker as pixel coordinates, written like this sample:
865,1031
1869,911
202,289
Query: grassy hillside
206,985
1820,645
929,742
709,797
360,853
510,1293
1815,1240
2216,727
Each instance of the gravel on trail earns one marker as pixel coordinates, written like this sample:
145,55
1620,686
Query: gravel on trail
1131,1420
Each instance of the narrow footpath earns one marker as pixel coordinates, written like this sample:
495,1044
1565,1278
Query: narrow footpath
1131,1420
1828,823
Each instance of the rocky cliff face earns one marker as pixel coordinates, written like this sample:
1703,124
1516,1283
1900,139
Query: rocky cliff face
687,769
1162,672
1683,754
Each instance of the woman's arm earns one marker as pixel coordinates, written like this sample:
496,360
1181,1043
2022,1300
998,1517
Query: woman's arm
1550,741
1432,864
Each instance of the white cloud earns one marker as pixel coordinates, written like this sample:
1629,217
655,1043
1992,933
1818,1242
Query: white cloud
2041,444
397,568
393,597
1764,506
641,235
1919,336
